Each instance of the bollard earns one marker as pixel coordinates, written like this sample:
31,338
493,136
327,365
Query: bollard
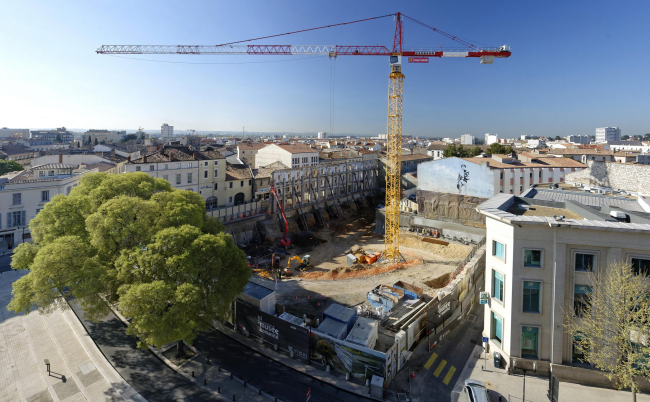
347,376
327,368
192,373
205,381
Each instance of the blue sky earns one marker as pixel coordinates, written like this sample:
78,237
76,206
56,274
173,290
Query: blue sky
575,66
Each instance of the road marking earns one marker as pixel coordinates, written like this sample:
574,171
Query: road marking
450,374
440,368
430,361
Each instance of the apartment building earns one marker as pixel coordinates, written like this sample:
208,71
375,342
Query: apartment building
248,150
294,155
537,261
24,193
579,139
58,135
467,139
488,176
100,136
606,134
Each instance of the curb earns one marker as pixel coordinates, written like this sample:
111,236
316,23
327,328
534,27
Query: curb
303,368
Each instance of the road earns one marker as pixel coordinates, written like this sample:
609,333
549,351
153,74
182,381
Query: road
148,375
276,379
437,371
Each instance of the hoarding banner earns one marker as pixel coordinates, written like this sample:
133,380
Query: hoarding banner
273,329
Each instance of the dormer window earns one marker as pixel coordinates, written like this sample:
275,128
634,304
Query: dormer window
41,173
50,173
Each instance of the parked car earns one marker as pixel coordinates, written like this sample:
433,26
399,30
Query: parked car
476,391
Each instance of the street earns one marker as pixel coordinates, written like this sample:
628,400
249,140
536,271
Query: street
276,379
437,371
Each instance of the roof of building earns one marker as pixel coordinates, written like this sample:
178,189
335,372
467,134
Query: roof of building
267,171
499,208
296,148
54,166
251,145
580,151
333,328
237,172
582,197
541,163
176,153
341,313
14,149
257,291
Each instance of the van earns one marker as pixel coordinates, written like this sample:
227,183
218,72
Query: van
476,391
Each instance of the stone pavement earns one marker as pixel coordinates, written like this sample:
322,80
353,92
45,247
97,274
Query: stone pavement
78,370
504,387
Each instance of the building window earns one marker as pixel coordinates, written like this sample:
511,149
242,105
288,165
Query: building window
178,179
189,178
304,160
580,299
41,173
178,166
230,184
529,340
50,173
241,184
577,351
17,198
45,196
497,285
205,174
230,200
152,168
585,262
138,168
497,328
640,266
216,163
205,163
166,177
166,166
216,173
533,258
498,249
216,186
250,182
532,296
17,218
540,174
189,164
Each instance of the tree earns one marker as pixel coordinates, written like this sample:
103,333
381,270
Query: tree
557,138
58,138
133,240
96,142
625,137
129,137
611,323
9,166
142,137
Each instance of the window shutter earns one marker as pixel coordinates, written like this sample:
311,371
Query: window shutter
23,220
8,220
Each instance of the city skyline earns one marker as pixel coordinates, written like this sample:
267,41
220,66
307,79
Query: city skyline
555,83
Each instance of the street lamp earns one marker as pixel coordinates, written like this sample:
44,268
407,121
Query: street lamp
514,366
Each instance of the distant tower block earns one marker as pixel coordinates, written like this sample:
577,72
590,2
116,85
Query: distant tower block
166,130
322,135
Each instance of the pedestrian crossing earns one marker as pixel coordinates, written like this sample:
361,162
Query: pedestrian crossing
440,368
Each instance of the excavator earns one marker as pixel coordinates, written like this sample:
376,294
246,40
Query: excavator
284,242
303,262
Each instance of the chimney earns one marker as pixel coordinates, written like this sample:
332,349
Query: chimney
112,151
144,159
60,158
195,156
128,159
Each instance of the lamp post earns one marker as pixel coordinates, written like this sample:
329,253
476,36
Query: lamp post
514,366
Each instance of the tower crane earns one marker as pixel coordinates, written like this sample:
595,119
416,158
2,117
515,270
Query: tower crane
395,87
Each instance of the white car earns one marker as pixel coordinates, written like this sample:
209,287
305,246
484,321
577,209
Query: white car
476,391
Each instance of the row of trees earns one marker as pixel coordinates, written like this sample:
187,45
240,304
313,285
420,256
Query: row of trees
462,152
131,239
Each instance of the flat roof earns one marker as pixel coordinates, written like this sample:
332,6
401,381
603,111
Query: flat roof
257,291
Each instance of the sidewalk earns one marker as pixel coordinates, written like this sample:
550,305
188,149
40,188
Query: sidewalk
296,364
510,387
78,369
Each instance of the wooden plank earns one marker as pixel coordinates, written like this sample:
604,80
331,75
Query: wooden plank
435,241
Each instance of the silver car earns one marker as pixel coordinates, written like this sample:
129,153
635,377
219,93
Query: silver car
476,391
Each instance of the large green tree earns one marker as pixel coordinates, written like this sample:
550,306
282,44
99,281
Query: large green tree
133,240
9,166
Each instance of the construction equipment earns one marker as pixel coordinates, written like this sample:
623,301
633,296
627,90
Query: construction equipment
284,242
396,82
303,262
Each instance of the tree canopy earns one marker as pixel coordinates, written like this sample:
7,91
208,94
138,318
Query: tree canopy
611,322
9,166
496,148
131,239
460,151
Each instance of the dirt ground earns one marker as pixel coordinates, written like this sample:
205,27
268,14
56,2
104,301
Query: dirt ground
313,295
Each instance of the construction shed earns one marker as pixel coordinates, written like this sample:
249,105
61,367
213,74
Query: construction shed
258,296
341,314
365,332
333,328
